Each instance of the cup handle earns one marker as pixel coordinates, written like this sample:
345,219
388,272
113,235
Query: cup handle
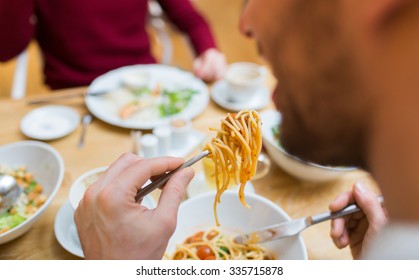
263,166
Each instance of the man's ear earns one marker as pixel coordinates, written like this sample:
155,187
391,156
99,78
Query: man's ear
381,12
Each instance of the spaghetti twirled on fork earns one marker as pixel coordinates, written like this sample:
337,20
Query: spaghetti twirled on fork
235,151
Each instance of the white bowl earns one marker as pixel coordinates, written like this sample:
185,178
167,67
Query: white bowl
48,168
300,169
78,188
197,214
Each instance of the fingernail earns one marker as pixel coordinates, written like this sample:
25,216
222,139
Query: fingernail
336,199
360,187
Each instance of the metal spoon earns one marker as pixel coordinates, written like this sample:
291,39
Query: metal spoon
9,192
87,119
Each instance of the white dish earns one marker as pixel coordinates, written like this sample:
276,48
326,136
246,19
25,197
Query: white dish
50,122
300,169
66,232
78,188
47,166
165,75
198,186
197,214
258,101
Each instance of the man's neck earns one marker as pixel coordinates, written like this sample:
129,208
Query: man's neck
394,152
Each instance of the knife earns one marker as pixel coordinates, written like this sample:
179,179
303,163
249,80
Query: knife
53,98
291,228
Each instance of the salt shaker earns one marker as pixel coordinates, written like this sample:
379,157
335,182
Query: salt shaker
181,129
149,145
164,136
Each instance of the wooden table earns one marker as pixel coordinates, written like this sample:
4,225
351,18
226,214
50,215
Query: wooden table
104,143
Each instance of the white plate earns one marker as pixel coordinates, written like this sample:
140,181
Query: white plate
198,186
66,231
259,101
165,75
50,122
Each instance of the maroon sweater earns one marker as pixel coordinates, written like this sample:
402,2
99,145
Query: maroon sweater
82,39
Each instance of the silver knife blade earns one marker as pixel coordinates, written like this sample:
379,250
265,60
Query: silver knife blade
54,98
291,228
273,232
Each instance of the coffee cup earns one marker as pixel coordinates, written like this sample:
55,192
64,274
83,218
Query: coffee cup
244,79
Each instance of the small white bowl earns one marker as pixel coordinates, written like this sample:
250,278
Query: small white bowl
78,188
300,169
48,168
196,214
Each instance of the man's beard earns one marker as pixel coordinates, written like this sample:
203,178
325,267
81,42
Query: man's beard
323,129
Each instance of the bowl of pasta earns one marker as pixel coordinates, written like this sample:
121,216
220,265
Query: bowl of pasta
39,170
303,170
198,237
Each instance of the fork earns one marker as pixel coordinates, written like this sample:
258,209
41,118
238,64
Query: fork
162,180
294,227
59,97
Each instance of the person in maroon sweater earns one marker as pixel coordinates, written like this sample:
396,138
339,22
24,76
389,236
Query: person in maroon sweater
81,40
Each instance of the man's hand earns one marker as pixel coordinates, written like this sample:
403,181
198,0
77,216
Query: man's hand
357,230
112,226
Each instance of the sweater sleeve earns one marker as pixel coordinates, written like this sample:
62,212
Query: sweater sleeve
16,29
190,21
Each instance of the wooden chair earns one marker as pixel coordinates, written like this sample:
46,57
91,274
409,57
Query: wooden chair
19,78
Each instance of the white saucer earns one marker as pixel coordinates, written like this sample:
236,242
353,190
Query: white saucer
49,122
259,101
66,232
198,186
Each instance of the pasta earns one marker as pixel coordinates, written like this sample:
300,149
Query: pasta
213,245
234,152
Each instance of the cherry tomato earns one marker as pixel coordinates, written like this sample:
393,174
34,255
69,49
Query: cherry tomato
204,252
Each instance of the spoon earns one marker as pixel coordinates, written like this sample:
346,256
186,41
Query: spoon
87,119
9,192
